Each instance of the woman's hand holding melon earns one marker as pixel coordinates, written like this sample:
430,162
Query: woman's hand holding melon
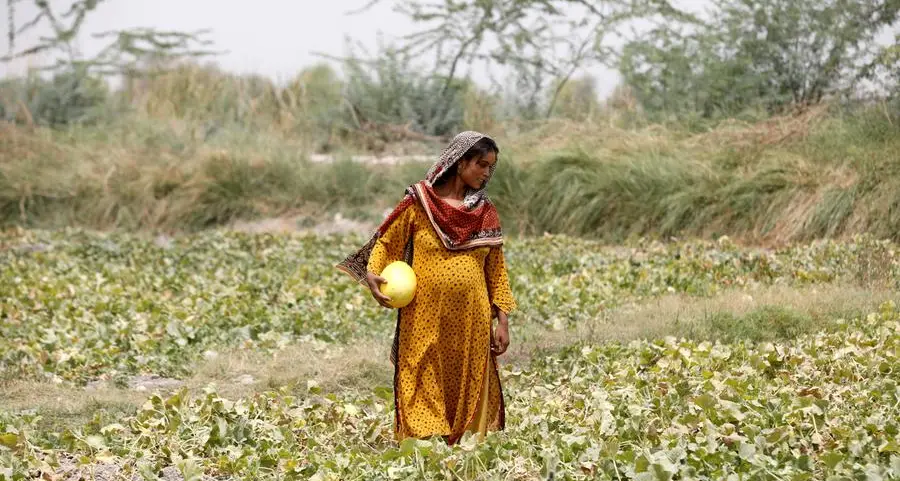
374,281
400,287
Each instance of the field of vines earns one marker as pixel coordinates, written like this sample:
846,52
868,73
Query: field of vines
685,360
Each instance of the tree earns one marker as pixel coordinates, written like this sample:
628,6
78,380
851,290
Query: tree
771,54
127,51
543,41
884,70
75,91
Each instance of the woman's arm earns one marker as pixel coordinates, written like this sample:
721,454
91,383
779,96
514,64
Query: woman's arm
501,297
388,248
497,278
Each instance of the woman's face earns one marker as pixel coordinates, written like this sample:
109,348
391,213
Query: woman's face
475,171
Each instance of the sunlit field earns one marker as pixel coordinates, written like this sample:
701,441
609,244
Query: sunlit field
232,354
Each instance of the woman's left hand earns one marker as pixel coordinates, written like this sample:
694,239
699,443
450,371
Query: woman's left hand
500,341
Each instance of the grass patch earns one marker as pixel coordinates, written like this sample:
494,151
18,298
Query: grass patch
49,181
767,323
63,407
755,315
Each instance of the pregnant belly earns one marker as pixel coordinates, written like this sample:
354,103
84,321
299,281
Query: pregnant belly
456,277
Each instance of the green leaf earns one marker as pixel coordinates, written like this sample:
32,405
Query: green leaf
190,469
747,451
705,401
96,442
384,392
832,459
889,447
9,440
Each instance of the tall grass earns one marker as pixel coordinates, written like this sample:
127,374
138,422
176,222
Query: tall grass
169,181
827,174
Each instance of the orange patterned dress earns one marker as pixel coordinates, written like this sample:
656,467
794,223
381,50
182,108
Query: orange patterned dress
446,380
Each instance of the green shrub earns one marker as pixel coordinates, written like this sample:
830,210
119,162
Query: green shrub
66,98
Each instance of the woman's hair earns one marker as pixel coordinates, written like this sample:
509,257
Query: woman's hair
476,151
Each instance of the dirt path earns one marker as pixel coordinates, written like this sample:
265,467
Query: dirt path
375,159
337,224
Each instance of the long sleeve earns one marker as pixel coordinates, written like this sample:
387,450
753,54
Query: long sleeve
498,281
390,245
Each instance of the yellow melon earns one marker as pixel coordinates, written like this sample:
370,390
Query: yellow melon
400,285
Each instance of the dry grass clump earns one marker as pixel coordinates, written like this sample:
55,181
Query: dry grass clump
49,180
794,126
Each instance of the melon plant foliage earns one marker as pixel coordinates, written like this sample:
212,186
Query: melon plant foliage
83,307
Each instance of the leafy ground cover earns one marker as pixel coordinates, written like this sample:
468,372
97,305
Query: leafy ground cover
823,406
83,306
763,392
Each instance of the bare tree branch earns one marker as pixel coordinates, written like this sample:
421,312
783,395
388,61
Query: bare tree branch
535,37
364,8
126,51
11,24
573,67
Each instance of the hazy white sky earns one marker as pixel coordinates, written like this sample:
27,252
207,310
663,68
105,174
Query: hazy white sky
272,37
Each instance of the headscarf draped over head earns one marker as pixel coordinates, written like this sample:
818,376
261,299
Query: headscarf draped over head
474,224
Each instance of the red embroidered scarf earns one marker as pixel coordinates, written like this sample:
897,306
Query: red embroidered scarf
473,224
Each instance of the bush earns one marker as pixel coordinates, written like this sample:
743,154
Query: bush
392,92
67,98
205,93
314,100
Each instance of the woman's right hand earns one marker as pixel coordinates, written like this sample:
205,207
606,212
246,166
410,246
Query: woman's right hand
374,281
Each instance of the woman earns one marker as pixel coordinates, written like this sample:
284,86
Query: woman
444,352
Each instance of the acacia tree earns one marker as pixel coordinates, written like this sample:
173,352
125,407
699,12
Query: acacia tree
761,53
884,70
75,91
544,42
126,51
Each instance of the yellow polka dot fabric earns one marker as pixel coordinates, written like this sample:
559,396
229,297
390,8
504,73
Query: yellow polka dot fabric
446,380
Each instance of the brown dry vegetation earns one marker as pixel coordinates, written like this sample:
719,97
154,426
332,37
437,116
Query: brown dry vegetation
818,173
